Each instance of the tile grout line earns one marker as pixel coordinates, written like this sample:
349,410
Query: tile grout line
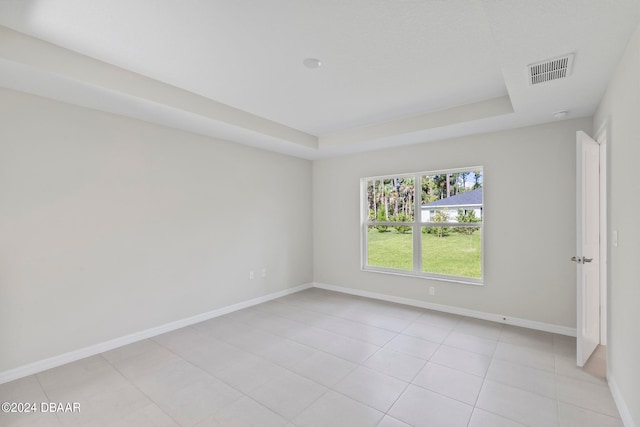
47,396
328,388
417,373
555,377
324,329
484,380
129,380
416,320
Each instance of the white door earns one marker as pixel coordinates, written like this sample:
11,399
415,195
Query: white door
588,246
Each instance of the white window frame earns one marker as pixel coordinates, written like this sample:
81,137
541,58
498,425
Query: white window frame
416,225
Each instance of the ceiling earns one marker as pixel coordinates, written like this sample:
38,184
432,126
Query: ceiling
393,72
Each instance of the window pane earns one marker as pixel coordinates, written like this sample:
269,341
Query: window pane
391,199
445,197
455,251
390,247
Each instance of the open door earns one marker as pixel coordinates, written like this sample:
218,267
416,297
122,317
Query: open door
588,246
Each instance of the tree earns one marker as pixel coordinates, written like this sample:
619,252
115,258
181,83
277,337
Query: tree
374,200
439,216
402,229
477,178
467,216
463,177
382,217
386,196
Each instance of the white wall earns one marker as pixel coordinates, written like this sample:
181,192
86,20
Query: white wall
528,273
110,226
620,112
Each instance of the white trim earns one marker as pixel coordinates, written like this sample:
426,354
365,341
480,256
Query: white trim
530,324
432,172
601,139
625,414
416,226
430,276
72,356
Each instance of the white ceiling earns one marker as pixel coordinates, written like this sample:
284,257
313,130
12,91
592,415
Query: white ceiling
393,71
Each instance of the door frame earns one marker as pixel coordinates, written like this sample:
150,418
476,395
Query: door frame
601,137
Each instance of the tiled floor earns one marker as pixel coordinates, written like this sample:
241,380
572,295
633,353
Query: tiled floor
318,358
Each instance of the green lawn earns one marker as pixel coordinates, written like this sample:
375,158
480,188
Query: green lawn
455,254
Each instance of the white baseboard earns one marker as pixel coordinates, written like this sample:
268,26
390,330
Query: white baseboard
625,414
530,324
52,362
72,356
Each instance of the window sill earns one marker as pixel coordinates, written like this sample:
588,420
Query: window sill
429,276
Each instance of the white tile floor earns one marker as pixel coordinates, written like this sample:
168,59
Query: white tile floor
318,358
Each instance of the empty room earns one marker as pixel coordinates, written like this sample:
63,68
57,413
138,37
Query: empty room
319,213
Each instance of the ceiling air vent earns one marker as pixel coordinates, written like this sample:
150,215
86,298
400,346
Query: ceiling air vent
551,69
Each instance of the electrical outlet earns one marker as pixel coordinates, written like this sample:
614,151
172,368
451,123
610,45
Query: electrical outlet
264,272
432,290
251,275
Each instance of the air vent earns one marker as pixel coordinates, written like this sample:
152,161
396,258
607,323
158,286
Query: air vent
551,69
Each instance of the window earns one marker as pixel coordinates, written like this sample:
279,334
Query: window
426,224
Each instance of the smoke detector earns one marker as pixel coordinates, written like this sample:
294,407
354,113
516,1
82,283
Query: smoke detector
312,63
560,114
551,69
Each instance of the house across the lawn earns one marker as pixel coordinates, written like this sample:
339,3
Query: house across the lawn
467,201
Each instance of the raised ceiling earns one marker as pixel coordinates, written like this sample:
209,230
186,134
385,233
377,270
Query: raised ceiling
393,71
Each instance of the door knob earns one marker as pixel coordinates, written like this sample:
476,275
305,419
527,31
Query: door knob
576,259
585,259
